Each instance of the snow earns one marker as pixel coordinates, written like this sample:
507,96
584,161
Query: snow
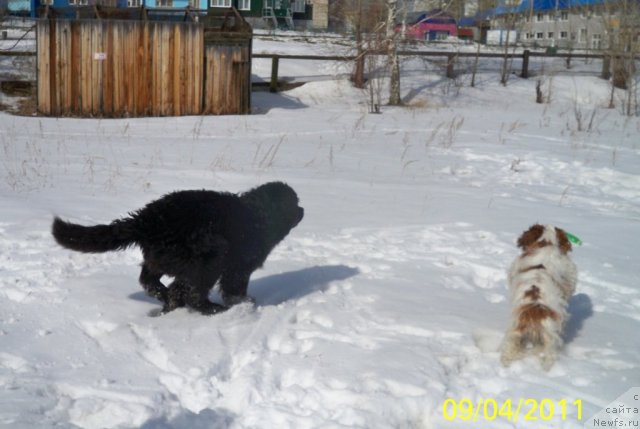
388,299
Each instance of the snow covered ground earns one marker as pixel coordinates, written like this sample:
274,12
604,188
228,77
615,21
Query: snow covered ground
388,299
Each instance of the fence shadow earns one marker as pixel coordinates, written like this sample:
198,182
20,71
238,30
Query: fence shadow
263,101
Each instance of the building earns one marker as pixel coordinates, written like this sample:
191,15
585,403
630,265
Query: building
432,25
564,29
564,24
287,14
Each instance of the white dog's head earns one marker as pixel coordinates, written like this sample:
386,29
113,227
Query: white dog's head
539,236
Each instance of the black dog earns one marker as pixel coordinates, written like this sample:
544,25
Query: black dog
196,237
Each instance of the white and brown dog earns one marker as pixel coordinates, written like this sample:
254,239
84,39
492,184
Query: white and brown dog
541,280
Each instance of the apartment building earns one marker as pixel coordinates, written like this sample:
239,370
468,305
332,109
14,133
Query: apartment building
568,24
565,29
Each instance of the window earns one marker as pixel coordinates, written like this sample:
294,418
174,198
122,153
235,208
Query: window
134,3
539,35
244,4
550,35
220,3
298,6
596,41
540,17
564,16
76,2
164,3
564,35
583,35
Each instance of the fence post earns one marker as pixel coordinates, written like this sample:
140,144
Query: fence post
273,85
450,62
358,75
525,64
606,67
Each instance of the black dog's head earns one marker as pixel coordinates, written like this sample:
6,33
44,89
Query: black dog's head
278,203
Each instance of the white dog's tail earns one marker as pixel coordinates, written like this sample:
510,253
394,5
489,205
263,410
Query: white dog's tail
531,320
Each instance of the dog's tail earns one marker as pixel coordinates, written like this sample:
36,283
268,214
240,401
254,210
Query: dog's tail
532,319
117,235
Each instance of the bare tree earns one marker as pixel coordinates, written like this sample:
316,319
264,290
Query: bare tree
358,72
474,68
376,68
620,18
392,53
510,20
373,23
360,18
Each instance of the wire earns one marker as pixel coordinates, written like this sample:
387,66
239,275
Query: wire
18,41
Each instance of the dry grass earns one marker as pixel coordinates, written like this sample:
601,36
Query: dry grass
418,104
23,98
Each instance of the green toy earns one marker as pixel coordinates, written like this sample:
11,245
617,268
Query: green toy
572,238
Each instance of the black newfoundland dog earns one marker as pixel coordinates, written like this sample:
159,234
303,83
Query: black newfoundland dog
197,237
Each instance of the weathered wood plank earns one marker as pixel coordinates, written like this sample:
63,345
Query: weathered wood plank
53,58
156,85
228,102
196,73
76,59
176,65
141,71
63,69
129,65
165,43
96,69
85,78
44,63
213,80
116,66
107,70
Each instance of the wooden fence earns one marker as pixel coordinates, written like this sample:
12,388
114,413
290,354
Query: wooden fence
121,68
451,60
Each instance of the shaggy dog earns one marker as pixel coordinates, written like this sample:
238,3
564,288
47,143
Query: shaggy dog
541,280
197,237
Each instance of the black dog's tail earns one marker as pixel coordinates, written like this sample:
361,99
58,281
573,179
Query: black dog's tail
117,235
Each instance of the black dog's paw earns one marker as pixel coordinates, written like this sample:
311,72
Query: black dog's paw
156,312
232,300
208,308
176,299
161,295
